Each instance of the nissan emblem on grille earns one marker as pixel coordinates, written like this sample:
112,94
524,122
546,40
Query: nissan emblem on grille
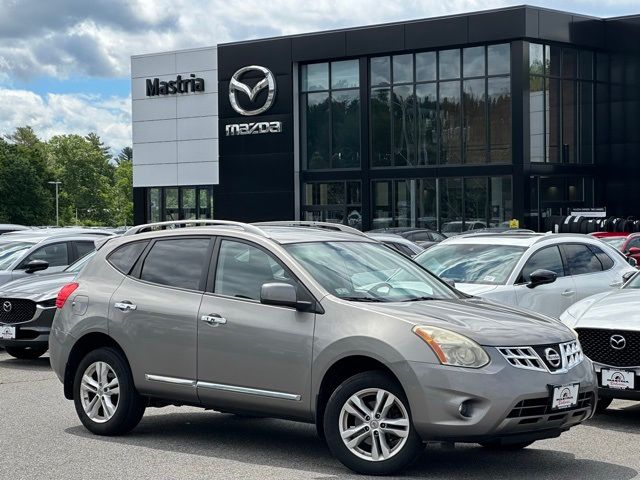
617,342
6,306
552,357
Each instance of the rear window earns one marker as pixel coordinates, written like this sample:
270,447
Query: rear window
124,258
581,260
605,259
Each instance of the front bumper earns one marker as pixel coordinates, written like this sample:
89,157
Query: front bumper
626,394
502,402
34,332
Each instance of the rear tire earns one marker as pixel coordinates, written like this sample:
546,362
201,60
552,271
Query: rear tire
371,411
509,447
26,353
104,395
603,404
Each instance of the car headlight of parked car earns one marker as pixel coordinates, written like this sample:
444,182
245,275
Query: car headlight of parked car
452,348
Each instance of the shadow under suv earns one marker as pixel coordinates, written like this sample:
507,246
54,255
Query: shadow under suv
309,322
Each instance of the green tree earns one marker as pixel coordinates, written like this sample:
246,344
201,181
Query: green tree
122,197
25,196
83,166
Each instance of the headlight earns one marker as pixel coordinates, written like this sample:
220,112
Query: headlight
452,348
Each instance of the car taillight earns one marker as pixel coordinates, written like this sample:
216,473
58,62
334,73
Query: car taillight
65,292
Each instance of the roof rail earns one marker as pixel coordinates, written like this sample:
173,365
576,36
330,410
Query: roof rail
147,227
337,227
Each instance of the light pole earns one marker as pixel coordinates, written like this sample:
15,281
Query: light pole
56,183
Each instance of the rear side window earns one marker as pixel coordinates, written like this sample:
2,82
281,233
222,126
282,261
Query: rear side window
605,259
84,247
581,260
546,259
178,262
634,242
124,257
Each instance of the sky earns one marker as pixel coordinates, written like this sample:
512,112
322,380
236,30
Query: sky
64,64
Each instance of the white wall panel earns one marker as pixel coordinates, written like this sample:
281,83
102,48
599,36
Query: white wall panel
200,173
154,109
156,152
204,59
197,105
197,128
154,131
162,175
147,65
198,150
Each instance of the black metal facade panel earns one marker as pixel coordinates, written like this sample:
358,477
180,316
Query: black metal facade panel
532,22
256,173
437,32
255,206
319,46
139,205
588,32
375,40
496,26
257,144
275,52
554,26
623,34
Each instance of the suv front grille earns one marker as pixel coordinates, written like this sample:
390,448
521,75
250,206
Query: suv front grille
597,346
537,407
553,358
16,310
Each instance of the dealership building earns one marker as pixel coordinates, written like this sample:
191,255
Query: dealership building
475,119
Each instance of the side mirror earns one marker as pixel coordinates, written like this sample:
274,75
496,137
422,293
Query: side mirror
632,261
36,266
627,276
283,295
634,251
542,277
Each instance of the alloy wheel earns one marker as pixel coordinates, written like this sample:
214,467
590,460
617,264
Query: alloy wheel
100,392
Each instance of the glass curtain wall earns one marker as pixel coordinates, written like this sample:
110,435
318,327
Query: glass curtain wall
452,204
179,203
441,108
561,104
336,202
330,115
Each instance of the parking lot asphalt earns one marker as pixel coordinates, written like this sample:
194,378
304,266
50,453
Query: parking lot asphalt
42,438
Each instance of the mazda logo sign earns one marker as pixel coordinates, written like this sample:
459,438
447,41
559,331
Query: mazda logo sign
552,357
6,306
617,342
237,86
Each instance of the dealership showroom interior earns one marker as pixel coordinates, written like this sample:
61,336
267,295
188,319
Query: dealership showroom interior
328,240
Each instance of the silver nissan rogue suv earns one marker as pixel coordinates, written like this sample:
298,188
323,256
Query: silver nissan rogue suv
316,323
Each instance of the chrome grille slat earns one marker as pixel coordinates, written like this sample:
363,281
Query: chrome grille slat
528,358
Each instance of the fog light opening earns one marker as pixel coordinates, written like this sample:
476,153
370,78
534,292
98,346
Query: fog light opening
465,409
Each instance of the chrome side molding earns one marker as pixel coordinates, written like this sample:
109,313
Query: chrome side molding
248,391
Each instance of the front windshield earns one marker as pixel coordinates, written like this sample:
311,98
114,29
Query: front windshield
615,242
76,266
362,271
12,251
470,263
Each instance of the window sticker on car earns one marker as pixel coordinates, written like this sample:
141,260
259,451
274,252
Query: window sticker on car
342,291
489,278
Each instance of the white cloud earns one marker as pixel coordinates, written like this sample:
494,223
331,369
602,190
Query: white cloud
56,114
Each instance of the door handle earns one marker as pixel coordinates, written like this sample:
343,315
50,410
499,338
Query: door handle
124,306
214,319
568,293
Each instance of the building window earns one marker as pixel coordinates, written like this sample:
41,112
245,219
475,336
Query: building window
179,203
453,204
446,107
561,104
330,115
335,202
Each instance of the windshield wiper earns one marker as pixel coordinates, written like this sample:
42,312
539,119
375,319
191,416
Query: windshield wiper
420,299
362,299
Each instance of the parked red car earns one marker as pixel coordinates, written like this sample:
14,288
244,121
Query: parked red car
627,243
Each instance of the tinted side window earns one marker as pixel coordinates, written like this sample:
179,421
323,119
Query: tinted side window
581,260
546,259
634,242
84,247
178,262
55,254
124,257
242,270
605,259
420,237
403,249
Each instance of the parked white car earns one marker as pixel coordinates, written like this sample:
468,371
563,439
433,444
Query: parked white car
546,273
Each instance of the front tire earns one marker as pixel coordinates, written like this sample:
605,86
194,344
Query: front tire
104,395
26,353
603,404
368,427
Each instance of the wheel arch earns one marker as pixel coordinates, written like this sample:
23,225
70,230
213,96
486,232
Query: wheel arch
84,345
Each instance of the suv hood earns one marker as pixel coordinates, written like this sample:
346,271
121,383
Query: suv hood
618,310
36,288
475,288
485,322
